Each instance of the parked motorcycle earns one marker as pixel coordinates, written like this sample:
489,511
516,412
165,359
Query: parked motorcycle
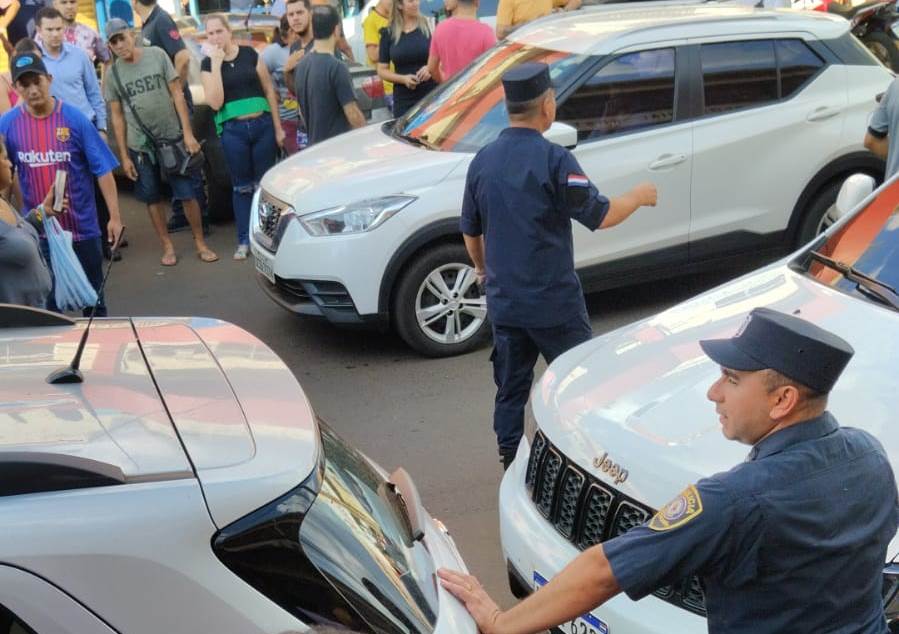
873,23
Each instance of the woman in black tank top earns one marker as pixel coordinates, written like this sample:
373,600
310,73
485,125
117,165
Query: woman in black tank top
240,90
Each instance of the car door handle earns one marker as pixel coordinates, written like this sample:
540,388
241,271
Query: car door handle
667,160
823,113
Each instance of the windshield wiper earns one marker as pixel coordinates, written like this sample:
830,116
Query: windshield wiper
417,141
872,287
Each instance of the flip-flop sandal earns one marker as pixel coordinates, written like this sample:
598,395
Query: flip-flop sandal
169,259
207,256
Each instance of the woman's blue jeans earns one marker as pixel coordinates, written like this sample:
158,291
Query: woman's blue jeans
250,150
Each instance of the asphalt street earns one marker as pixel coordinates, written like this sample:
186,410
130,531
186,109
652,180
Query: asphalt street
432,416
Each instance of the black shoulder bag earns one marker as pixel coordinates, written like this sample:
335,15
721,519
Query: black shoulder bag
172,156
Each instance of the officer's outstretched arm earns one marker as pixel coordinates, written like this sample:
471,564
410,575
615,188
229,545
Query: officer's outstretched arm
584,584
621,207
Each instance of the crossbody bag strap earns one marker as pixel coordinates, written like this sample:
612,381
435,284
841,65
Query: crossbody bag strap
127,100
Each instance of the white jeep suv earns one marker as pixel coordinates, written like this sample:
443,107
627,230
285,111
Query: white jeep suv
747,120
186,486
623,422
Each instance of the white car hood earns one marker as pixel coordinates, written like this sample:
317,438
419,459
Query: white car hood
362,164
639,393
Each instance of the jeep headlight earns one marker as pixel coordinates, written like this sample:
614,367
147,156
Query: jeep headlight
356,217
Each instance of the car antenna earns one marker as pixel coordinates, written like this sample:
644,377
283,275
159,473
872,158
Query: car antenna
71,373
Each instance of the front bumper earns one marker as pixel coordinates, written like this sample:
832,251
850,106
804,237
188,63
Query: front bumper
334,277
530,544
324,299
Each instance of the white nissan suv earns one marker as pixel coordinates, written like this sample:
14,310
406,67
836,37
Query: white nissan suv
186,486
747,120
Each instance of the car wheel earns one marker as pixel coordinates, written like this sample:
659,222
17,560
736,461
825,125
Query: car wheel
438,309
820,215
884,49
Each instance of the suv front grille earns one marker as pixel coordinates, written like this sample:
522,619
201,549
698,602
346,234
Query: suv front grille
270,214
586,511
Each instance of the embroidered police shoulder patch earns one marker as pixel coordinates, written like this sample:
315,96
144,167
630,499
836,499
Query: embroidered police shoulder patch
682,509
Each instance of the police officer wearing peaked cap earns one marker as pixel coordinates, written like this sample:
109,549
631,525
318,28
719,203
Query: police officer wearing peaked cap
521,194
794,539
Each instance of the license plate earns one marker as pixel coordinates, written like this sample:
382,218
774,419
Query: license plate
586,624
264,265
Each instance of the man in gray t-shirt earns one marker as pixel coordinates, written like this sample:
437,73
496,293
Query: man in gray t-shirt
144,81
882,137
322,83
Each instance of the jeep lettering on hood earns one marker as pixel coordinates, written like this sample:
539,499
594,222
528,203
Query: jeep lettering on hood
614,471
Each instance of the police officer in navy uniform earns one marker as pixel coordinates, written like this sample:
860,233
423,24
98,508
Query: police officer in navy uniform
794,539
520,197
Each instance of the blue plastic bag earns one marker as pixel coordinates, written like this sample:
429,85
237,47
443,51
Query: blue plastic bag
73,290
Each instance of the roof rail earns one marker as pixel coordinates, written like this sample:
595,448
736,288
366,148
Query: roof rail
41,472
16,316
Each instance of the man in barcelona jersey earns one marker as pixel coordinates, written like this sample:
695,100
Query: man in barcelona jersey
44,135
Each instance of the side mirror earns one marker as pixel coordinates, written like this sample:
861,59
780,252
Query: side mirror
854,190
562,134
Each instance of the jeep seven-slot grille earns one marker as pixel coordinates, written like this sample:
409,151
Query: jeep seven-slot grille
586,511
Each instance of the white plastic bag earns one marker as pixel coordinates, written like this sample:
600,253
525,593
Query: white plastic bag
73,290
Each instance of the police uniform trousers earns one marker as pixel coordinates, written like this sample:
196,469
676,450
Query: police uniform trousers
515,351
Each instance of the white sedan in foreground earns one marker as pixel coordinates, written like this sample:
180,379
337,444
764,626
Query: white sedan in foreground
186,486
623,422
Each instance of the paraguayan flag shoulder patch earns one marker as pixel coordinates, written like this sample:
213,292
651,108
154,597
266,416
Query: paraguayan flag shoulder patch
578,180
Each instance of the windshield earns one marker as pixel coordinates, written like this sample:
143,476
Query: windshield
358,536
468,112
869,243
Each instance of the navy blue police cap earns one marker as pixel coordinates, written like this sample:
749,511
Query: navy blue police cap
526,82
792,346
26,63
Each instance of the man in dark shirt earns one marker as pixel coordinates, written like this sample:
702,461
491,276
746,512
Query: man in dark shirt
323,84
160,30
793,539
521,194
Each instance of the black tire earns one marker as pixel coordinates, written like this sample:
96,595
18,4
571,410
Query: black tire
884,48
811,221
440,260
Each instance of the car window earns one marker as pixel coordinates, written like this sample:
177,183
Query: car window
798,63
869,242
11,624
469,111
631,92
738,75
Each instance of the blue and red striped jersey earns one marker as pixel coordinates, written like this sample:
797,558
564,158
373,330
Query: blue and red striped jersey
67,140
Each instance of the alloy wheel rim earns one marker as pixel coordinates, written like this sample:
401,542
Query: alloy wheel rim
449,309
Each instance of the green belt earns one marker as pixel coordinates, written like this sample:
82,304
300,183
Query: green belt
240,108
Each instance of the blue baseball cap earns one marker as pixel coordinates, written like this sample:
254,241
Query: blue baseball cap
796,348
26,63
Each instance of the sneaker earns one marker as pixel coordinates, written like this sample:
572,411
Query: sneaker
177,223
242,251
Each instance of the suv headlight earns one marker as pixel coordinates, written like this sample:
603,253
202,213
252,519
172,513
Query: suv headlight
357,217
891,592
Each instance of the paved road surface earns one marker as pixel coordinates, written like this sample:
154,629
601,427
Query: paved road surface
431,416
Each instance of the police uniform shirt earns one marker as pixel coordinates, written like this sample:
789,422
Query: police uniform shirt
160,30
792,540
521,193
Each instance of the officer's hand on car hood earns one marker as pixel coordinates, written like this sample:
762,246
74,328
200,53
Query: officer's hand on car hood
468,590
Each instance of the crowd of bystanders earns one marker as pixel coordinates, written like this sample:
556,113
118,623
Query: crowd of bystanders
297,92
